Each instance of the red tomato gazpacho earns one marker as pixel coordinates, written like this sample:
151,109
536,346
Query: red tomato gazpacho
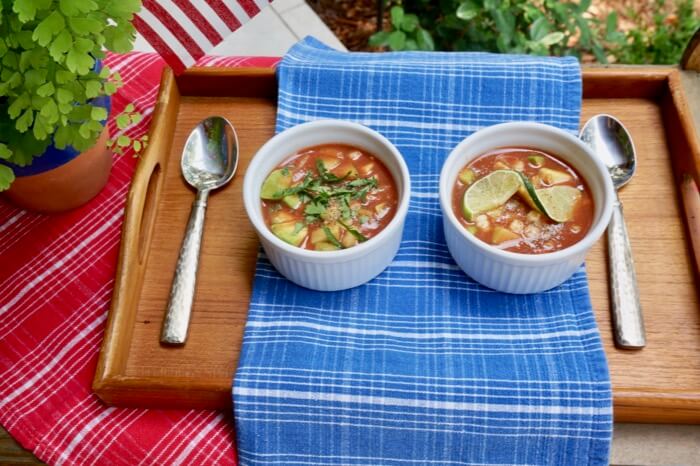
523,200
329,197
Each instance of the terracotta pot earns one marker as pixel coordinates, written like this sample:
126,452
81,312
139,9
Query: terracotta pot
68,186
63,179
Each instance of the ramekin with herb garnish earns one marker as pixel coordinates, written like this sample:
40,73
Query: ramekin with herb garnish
328,200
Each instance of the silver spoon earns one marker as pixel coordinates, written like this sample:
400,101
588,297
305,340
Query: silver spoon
209,161
610,141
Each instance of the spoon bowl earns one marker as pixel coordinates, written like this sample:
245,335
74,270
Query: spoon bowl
210,157
610,141
209,161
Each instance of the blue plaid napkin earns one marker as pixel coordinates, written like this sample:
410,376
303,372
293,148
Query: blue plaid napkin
422,366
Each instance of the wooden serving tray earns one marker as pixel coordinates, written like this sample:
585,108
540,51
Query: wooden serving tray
658,384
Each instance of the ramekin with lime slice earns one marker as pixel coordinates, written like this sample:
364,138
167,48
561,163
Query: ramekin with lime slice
505,270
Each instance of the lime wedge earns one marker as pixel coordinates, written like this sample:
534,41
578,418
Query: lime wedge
490,192
528,193
558,202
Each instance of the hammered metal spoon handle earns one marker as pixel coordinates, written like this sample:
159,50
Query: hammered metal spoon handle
177,317
628,323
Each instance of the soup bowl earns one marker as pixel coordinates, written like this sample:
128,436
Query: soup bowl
513,272
327,270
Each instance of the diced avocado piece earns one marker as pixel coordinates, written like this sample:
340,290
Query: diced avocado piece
281,216
325,246
318,234
367,168
472,229
382,209
551,177
334,229
329,163
528,193
522,192
467,176
276,182
536,160
292,201
501,235
348,240
345,170
291,232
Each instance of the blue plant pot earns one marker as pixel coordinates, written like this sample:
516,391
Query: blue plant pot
53,157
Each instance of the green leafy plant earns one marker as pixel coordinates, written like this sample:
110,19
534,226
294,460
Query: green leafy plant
542,27
547,27
663,42
49,74
407,33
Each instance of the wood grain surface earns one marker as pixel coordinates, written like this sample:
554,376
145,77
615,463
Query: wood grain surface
660,383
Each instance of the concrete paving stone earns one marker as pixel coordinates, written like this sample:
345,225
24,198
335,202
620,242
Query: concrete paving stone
303,21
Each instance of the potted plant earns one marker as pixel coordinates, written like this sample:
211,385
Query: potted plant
55,98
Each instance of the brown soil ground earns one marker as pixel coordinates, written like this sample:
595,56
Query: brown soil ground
354,21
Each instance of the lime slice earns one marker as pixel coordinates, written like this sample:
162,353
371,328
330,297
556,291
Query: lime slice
490,192
558,202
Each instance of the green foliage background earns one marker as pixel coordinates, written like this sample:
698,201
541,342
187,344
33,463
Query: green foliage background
48,50
545,27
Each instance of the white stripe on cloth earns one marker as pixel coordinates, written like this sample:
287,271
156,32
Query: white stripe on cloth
12,220
433,379
29,383
212,17
429,335
201,434
237,10
418,403
65,454
51,384
186,23
167,36
58,264
364,458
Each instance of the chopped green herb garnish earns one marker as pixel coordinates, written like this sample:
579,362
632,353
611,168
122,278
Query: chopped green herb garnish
361,182
326,175
358,236
331,239
314,208
327,197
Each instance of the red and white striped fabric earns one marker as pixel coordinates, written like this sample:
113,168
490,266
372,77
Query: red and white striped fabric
56,280
182,31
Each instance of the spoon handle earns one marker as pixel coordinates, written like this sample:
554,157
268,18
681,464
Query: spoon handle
177,317
627,319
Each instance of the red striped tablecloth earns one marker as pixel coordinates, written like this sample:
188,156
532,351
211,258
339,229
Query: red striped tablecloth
56,281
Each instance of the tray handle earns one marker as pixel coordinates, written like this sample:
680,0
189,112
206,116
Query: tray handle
691,204
148,212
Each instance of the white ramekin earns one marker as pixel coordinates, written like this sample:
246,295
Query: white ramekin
327,270
513,272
